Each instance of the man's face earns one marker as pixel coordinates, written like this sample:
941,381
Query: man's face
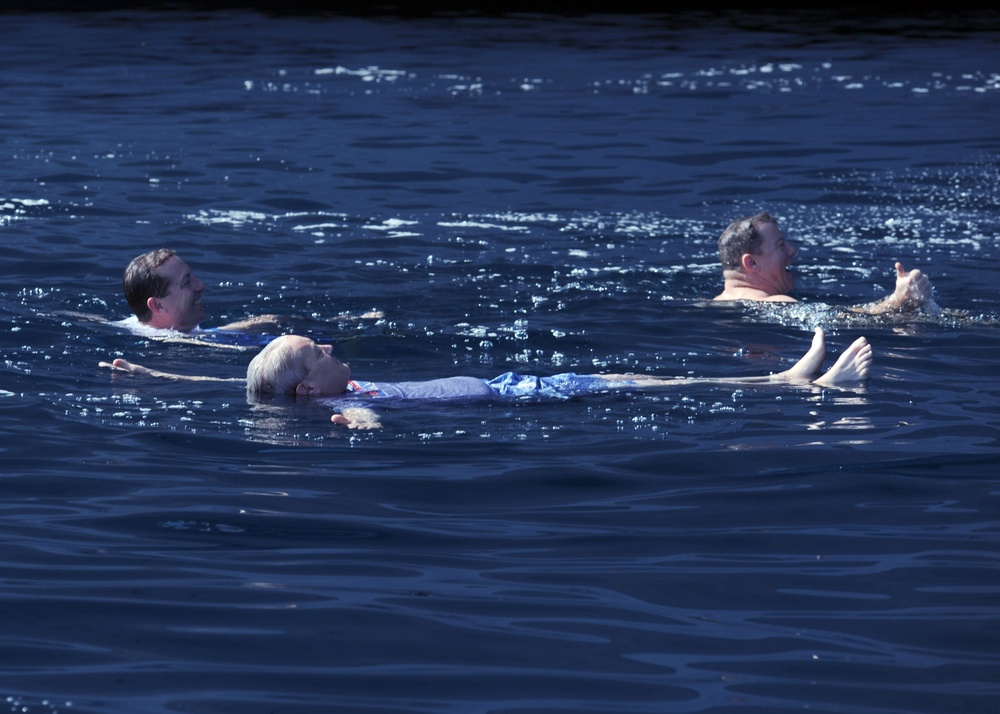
773,263
327,374
181,308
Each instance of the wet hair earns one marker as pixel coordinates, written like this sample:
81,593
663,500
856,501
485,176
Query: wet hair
277,369
742,236
141,281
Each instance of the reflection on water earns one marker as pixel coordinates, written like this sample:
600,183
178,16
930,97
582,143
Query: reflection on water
530,193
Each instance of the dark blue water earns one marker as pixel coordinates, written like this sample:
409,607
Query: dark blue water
540,194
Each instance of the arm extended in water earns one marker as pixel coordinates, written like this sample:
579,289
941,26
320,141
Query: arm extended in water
123,365
359,418
272,322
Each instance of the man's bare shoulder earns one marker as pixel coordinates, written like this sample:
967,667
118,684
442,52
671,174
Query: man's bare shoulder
734,295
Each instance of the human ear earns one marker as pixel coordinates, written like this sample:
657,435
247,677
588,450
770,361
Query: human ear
154,304
748,262
302,389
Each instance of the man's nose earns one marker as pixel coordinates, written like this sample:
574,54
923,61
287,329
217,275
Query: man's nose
793,250
198,285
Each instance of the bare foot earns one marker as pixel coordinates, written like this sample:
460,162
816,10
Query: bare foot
806,369
853,365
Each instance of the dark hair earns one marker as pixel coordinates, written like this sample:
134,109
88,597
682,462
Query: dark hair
742,236
141,281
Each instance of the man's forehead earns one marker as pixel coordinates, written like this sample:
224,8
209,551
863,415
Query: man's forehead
302,346
173,267
771,230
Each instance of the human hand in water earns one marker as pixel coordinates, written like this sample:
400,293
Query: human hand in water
250,323
370,315
359,418
123,365
913,289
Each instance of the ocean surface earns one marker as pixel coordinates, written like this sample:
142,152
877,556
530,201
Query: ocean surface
532,193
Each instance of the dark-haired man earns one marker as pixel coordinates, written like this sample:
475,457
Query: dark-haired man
756,265
164,294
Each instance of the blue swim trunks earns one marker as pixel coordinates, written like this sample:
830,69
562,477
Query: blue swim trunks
558,386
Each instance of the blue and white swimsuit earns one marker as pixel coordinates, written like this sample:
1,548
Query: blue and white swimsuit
509,385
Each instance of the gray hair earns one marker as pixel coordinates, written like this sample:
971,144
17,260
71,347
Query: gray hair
742,236
277,369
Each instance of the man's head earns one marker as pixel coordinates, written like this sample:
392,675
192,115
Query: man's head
756,247
163,292
297,365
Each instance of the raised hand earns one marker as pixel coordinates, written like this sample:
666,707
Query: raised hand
913,289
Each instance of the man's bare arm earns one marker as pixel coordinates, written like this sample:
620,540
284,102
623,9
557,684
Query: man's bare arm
265,321
272,322
123,365
913,290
